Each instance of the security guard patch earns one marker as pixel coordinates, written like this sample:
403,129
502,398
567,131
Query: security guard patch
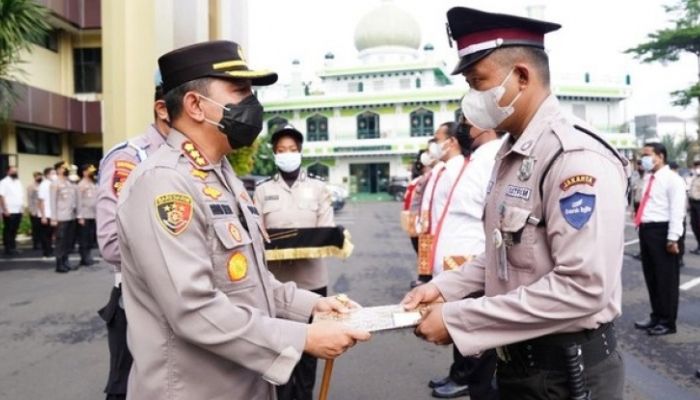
122,169
174,211
237,267
577,180
577,209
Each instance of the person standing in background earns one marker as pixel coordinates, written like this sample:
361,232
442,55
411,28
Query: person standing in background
681,241
414,190
64,201
694,204
87,196
44,211
660,223
33,209
12,204
293,199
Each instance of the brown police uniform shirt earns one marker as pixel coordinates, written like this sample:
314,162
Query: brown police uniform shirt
207,320
87,198
561,275
307,204
115,168
64,200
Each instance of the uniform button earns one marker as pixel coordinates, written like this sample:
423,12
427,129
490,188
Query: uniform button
529,347
532,364
607,352
605,342
603,336
529,356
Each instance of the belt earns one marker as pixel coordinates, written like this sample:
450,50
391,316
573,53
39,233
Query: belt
547,352
653,224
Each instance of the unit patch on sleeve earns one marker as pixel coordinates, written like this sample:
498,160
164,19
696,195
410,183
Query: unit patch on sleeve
122,169
577,180
577,209
174,211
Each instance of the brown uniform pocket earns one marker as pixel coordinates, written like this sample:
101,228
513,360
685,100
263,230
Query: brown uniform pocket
233,258
518,237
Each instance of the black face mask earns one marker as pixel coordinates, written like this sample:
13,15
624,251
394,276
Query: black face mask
65,172
464,138
13,176
242,122
38,180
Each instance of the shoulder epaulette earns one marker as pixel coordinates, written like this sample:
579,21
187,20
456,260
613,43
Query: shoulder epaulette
260,182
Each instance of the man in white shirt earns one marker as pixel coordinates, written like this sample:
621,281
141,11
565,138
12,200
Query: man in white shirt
11,203
44,211
456,210
660,222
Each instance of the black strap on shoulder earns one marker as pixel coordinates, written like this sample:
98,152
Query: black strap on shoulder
559,152
601,141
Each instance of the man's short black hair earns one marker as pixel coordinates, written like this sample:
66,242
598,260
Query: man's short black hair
509,56
60,164
452,132
659,149
173,98
48,170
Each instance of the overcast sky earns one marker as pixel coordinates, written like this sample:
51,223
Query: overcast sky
593,36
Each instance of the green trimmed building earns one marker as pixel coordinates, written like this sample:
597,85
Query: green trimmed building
365,123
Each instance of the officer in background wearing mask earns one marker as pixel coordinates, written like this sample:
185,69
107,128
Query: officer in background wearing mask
32,208
87,199
64,203
554,221
12,206
43,210
694,203
207,319
293,199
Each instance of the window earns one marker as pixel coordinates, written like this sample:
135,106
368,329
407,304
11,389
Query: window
32,141
48,40
88,70
355,87
318,170
368,125
316,128
417,83
274,124
421,122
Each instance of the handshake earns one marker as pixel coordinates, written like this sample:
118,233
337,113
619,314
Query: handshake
329,338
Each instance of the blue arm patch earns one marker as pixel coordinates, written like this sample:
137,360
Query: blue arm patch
577,209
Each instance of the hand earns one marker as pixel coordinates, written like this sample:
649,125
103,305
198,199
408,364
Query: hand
329,339
432,327
81,221
424,294
6,214
338,303
672,247
54,223
44,221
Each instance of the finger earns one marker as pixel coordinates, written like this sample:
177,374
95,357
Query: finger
411,301
360,335
338,306
354,305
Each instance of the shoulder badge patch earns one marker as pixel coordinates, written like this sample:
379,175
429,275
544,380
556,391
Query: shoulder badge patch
577,180
174,211
193,154
122,169
577,209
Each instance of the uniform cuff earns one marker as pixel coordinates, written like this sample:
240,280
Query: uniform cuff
281,369
673,237
458,328
449,287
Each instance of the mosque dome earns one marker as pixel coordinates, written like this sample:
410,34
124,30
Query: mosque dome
387,26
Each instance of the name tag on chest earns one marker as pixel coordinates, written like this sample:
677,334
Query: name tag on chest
518,192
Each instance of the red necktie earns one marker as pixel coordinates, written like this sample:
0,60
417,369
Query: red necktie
645,199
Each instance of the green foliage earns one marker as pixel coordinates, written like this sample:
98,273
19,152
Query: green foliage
264,163
677,150
242,159
25,225
21,23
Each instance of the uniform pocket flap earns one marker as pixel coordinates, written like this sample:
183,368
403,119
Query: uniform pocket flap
514,219
231,233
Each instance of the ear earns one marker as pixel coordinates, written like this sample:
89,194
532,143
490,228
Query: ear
161,111
524,74
191,106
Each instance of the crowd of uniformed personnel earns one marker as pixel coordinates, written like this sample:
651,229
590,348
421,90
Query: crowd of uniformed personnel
197,311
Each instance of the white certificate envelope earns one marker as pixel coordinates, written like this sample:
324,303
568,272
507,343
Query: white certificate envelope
374,319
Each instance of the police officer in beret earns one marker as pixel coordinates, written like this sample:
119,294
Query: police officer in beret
292,198
554,221
207,320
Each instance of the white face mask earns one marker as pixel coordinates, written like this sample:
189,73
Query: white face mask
426,159
481,108
53,177
288,162
436,150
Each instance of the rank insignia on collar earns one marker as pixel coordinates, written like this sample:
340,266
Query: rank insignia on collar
525,171
174,211
235,233
244,197
212,192
237,267
198,173
193,154
122,169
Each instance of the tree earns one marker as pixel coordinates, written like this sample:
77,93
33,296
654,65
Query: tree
22,22
264,163
242,159
676,150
